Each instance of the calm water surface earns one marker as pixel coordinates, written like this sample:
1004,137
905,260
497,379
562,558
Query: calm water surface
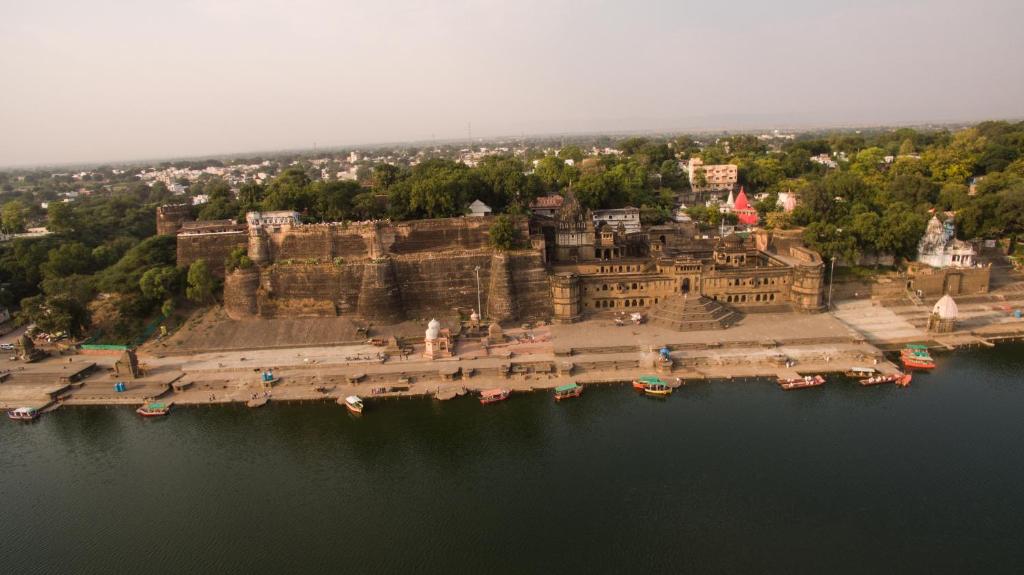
721,477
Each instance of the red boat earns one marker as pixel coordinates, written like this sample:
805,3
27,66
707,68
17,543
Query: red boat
916,357
494,395
801,382
567,391
904,381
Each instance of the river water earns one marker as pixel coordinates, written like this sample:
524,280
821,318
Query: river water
721,477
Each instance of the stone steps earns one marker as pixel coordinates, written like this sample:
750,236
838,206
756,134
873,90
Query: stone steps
692,313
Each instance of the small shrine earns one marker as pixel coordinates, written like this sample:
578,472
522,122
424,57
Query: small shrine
437,341
943,316
128,365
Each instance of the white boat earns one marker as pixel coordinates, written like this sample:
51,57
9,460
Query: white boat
354,404
23,414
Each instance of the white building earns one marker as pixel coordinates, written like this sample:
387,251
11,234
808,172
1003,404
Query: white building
256,219
628,217
939,247
479,209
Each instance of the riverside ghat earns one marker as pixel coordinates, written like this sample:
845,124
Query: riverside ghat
466,358
378,310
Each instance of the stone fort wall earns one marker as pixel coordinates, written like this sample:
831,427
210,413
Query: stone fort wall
214,248
378,271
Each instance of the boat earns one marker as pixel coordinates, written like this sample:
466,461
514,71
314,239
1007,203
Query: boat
23,414
658,389
567,391
153,409
916,357
905,380
354,404
801,382
643,381
880,379
257,402
494,395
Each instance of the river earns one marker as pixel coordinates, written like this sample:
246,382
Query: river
732,477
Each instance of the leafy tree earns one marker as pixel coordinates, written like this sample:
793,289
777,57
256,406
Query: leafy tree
289,191
160,283
61,313
237,259
503,233
70,258
201,283
12,217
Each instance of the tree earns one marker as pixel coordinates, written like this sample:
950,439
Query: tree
503,233
160,283
237,259
55,314
201,283
70,258
12,217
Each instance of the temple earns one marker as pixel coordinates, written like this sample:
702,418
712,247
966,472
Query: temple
939,247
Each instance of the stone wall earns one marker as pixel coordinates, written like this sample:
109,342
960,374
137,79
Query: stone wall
935,282
389,290
214,248
530,286
445,234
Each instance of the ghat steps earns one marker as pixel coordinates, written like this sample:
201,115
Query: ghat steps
683,313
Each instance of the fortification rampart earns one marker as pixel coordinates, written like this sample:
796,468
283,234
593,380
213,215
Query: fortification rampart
213,247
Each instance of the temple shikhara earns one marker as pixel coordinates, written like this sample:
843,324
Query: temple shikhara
939,247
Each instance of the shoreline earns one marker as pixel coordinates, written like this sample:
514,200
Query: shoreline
593,352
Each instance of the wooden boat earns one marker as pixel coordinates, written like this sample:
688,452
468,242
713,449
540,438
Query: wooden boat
23,414
494,395
801,382
257,402
658,389
567,391
905,380
354,404
916,357
153,410
880,379
643,381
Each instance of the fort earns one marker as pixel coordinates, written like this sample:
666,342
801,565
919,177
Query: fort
570,266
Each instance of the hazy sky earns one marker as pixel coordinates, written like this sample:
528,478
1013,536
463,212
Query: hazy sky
103,80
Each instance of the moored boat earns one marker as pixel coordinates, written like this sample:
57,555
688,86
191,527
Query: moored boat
494,395
880,379
154,409
23,414
643,381
354,404
905,380
801,382
916,357
567,391
658,389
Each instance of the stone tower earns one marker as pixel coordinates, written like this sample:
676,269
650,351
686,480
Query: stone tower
501,304
259,245
565,297
379,297
170,217
240,293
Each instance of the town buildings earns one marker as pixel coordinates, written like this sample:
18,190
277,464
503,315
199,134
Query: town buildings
711,177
